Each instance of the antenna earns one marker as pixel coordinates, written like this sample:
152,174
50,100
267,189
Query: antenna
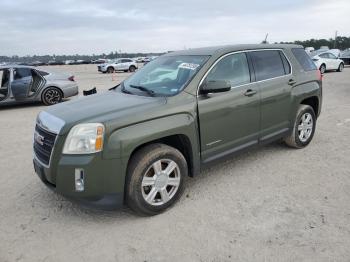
265,40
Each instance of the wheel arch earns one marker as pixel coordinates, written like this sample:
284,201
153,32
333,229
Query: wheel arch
178,131
180,142
314,102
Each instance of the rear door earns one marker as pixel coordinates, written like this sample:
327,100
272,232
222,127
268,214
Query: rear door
273,74
22,80
229,121
327,60
37,83
126,64
333,60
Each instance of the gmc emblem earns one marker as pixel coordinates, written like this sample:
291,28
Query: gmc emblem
39,139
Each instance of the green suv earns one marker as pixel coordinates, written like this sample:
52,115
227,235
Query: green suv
136,143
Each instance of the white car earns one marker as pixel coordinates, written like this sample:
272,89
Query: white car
328,61
121,64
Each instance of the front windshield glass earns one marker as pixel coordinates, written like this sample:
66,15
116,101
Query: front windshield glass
164,76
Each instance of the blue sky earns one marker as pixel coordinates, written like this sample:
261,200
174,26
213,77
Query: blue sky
87,27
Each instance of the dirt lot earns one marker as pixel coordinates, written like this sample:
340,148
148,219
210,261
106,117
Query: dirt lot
270,204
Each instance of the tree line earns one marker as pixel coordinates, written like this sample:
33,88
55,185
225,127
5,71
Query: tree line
47,58
342,43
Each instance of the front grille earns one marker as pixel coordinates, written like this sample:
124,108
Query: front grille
44,142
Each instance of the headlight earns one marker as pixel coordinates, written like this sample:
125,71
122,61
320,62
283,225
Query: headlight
85,139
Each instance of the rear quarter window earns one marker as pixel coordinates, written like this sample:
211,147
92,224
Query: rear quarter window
304,59
42,73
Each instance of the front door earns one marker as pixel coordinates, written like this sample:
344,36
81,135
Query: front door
230,120
5,77
333,61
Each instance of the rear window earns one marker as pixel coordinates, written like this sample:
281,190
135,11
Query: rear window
42,73
304,59
268,64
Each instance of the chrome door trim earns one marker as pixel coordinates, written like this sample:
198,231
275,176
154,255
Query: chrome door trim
246,51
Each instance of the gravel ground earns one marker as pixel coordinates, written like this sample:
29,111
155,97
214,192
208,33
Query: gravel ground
269,204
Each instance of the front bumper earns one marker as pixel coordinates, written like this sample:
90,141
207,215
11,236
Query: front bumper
101,69
103,179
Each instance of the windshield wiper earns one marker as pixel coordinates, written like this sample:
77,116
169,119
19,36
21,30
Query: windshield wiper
144,89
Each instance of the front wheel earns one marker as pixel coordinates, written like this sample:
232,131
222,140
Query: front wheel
51,96
155,179
110,70
304,128
132,69
341,67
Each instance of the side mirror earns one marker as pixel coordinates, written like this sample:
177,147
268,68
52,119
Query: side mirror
215,86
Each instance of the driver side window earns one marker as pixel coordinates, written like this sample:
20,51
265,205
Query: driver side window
233,68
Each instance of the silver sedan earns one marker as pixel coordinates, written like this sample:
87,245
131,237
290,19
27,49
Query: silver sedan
23,84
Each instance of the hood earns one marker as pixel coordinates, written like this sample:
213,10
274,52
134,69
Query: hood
102,108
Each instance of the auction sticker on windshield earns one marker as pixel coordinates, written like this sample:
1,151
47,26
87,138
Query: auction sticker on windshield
188,66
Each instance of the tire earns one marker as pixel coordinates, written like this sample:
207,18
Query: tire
51,96
110,70
132,69
323,68
302,125
149,193
341,67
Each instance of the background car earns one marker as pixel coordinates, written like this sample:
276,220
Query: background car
24,83
328,61
121,64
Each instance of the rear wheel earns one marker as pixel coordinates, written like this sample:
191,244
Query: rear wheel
155,179
304,127
110,70
323,68
132,68
51,96
341,67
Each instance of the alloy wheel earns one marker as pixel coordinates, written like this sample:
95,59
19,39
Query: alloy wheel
161,182
305,127
323,69
52,96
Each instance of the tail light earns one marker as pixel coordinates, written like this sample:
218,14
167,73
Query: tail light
71,78
320,76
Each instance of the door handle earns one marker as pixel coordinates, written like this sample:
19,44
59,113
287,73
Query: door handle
291,82
250,92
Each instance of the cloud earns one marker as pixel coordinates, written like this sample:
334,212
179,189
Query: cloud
86,26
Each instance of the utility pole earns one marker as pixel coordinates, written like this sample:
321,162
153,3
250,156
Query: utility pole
335,39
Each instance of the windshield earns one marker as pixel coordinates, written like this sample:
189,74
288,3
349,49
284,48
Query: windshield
164,76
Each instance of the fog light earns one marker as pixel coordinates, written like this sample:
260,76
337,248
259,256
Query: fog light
79,179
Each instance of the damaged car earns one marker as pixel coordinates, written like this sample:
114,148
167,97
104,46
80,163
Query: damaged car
21,84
